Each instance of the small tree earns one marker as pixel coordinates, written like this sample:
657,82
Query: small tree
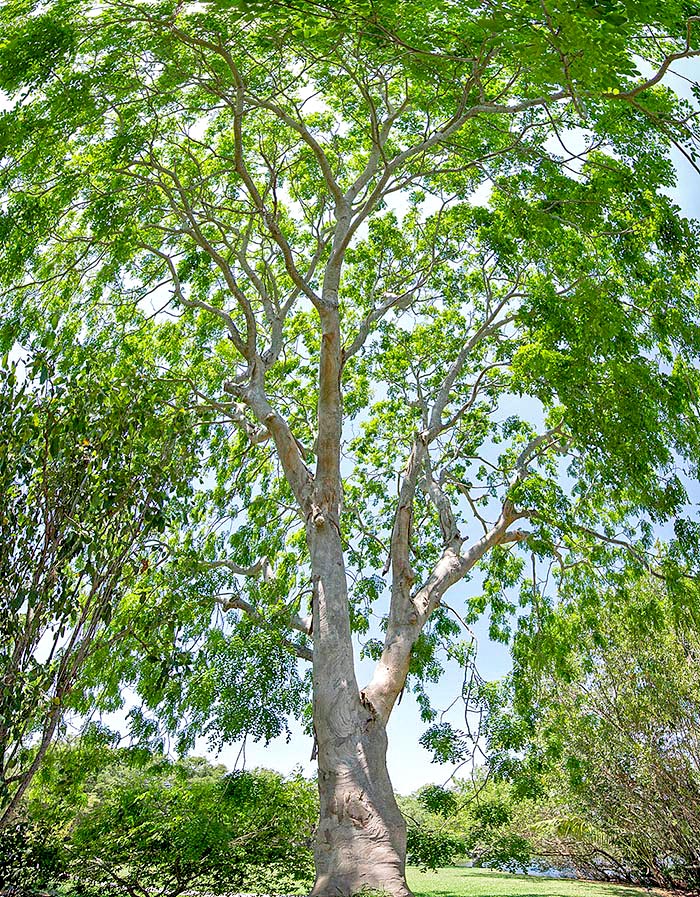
412,378
433,837
87,478
606,730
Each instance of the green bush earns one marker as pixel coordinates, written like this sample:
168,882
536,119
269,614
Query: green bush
165,830
30,860
126,822
432,849
600,720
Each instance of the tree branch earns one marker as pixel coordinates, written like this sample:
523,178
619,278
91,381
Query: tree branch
237,602
298,475
686,53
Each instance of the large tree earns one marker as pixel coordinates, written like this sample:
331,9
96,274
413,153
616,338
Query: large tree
421,261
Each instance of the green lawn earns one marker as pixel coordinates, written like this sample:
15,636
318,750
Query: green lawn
461,882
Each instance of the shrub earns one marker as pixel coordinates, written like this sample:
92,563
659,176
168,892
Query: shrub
145,824
431,849
30,860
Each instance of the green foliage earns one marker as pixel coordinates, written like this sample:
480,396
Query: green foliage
437,799
123,820
494,839
432,849
446,743
483,820
93,466
233,681
432,841
30,860
608,721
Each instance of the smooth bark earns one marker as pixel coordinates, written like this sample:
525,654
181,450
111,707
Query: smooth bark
361,838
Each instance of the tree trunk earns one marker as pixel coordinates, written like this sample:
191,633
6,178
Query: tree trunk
361,838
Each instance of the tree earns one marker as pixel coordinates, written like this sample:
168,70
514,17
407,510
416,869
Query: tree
432,838
100,818
91,460
161,832
136,823
413,380
604,726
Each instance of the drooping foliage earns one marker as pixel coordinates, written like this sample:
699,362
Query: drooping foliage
481,193
103,819
605,734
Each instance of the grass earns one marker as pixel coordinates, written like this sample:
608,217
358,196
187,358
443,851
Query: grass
461,882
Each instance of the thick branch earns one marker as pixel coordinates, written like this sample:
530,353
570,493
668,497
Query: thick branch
686,53
403,629
297,473
534,448
448,521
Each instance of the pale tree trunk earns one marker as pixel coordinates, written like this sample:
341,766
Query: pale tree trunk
361,838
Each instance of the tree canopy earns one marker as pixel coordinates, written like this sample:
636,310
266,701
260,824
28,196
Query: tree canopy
94,464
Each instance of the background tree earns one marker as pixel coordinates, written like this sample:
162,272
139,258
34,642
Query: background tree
91,459
434,838
126,821
614,759
484,818
413,378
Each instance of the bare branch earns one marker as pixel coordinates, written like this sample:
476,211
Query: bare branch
516,535
391,301
405,625
448,522
534,448
254,570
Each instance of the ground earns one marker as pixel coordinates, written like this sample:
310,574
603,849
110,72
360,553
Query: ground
461,882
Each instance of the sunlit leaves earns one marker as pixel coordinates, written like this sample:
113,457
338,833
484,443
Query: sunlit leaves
513,267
